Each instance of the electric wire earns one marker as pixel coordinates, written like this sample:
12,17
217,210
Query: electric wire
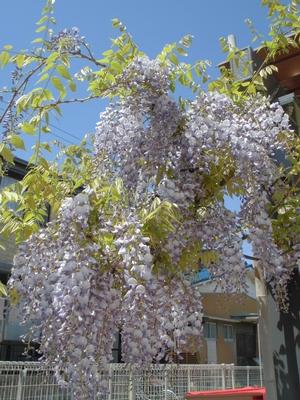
57,128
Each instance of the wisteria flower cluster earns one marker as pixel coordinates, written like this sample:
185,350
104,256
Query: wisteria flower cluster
116,261
84,279
192,158
11,119
67,40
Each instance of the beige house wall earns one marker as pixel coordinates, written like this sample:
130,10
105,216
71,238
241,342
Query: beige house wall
226,351
219,309
223,305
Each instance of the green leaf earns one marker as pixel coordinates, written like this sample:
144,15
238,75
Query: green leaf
41,29
56,82
115,66
208,257
172,86
115,22
189,75
46,146
174,59
14,296
108,53
42,20
47,94
181,51
20,60
160,222
4,58
57,109
37,40
6,153
43,77
17,141
46,129
44,163
72,86
62,70
190,257
3,291
28,128
53,57
7,47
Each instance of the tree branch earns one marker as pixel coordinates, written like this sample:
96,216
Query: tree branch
16,92
251,258
76,100
89,57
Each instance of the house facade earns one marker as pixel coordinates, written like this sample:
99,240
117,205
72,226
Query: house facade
230,325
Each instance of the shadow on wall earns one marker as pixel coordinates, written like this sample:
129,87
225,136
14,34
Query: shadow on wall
287,358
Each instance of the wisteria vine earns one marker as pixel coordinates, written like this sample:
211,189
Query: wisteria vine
116,258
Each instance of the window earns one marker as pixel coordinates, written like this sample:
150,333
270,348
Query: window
210,330
7,181
291,106
228,332
10,180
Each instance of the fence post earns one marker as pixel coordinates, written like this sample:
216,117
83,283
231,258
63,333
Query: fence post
261,376
21,379
130,386
166,384
189,378
223,369
248,376
232,376
110,372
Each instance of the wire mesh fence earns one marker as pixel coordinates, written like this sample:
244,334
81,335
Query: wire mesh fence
34,381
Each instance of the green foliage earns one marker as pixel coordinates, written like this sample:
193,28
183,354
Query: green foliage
283,35
190,258
16,141
160,221
3,291
6,153
190,76
4,58
208,257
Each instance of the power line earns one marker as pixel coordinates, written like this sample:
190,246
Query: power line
54,134
58,128
66,132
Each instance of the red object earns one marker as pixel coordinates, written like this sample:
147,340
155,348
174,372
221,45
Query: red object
246,393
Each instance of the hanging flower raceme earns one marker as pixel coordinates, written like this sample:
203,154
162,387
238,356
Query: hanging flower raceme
85,278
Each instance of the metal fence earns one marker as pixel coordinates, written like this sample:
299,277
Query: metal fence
33,381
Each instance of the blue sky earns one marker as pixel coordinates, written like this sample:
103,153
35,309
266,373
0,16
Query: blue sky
152,24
